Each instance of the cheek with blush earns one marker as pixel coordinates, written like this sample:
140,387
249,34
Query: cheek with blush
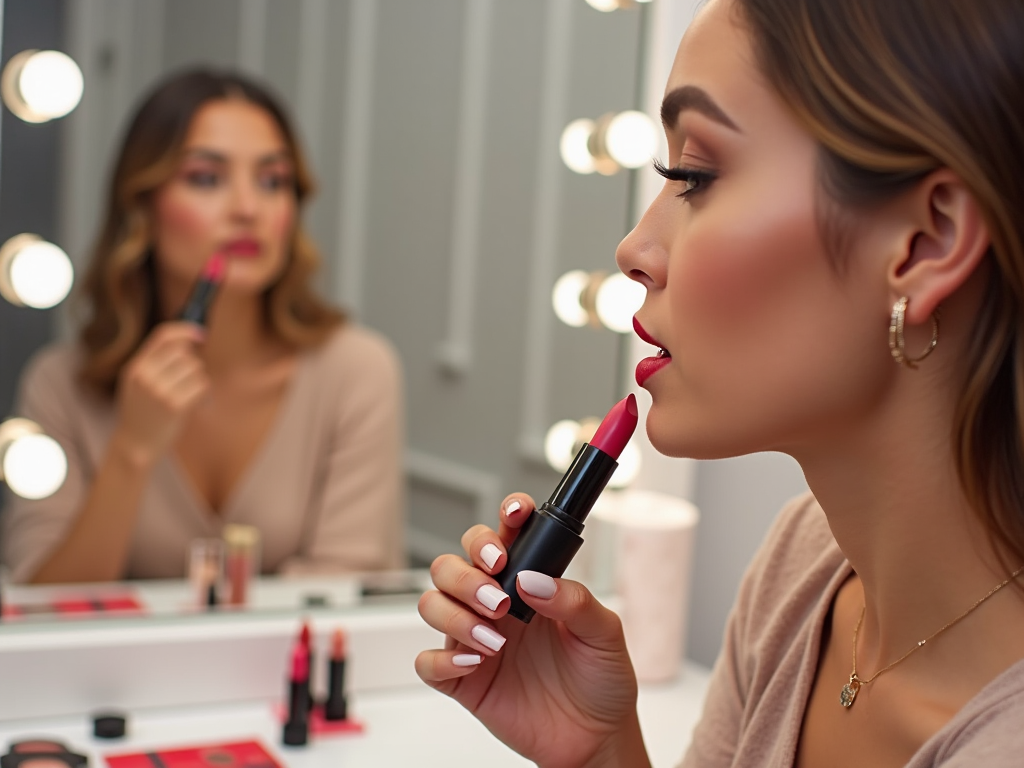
181,221
736,274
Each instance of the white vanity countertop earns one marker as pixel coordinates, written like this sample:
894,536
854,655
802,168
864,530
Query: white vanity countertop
411,726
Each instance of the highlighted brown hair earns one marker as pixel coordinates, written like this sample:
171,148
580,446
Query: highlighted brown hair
120,285
893,90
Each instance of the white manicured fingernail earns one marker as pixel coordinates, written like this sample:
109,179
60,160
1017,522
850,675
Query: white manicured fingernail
490,596
512,507
467,659
484,634
537,584
490,554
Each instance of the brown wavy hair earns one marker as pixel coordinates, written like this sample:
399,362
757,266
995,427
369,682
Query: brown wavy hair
893,90
120,285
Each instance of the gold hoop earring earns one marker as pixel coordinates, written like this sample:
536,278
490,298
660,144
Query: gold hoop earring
897,345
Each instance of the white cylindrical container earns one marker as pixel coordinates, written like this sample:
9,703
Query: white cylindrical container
653,569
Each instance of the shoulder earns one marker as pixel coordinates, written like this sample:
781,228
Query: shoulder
357,351
355,368
985,732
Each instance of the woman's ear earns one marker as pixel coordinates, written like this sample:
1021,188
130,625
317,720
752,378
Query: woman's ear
948,239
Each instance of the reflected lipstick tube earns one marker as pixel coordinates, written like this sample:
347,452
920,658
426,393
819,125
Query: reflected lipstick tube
550,537
205,290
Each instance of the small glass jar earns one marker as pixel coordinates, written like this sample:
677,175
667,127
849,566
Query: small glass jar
241,561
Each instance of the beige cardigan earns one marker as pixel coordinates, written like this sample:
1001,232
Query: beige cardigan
763,676
326,489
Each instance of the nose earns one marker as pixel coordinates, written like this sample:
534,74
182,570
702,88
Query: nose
643,253
244,198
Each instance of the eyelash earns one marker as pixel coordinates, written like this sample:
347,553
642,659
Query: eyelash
697,178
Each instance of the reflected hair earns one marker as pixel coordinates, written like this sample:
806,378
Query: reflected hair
893,90
120,286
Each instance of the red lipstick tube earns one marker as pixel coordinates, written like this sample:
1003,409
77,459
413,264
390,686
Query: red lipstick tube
550,538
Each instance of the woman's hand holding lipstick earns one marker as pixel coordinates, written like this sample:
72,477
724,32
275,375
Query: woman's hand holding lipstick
560,690
158,387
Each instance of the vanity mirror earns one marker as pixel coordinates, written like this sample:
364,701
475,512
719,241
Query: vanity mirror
444,214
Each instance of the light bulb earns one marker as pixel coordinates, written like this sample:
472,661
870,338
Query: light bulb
603,5
618,299
566,295
573,146
34,273
631,139
42,85
629,466
560,444
35,466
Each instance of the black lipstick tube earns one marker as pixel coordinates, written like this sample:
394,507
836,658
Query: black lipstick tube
336,706
199,301
296,728
550,537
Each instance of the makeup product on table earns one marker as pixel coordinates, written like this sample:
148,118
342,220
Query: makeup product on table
198,304
41,753
296,727
551,537
205,571
240,754
109,725
336,706
241,560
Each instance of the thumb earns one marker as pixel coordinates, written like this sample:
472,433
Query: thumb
572,604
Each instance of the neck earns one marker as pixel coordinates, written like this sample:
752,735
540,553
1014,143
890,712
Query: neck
891,491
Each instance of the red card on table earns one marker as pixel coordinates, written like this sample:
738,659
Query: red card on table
241,754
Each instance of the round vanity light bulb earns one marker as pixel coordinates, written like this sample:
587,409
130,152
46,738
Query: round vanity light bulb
629,466
560,444
42,85
603,5
566,295
618,299
573,146
631,139
35,466
35,273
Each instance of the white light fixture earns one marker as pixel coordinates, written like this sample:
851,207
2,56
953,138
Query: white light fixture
34,273
573,146
631,139
38,86
567,298
560,444
31,463
597,298
618,299
605,6
613,141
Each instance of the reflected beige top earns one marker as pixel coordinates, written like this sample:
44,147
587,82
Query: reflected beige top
326,489
763,676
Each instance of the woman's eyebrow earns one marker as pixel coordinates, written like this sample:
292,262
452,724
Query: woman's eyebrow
697,99
212,155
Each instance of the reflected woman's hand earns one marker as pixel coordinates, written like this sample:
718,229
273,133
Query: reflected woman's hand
561,690
160,384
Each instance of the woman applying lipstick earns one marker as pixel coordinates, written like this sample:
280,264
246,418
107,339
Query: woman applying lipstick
209,384
834,271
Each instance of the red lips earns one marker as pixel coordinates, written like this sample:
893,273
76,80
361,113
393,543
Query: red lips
243,247
649,365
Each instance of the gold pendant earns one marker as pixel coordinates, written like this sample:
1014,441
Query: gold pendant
849,692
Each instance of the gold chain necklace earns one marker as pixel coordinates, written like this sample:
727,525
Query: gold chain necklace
849,692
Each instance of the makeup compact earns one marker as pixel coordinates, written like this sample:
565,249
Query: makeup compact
42,753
